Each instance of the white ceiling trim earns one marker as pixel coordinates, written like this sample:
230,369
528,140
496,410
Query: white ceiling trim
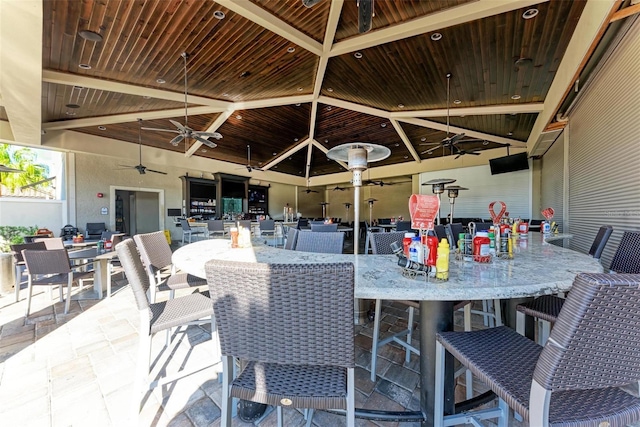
467,132
332,24
265,19
534,107
447,18
307,166
286,154
128,117
353,106
406,140
312,120
50,76
271,102
593,17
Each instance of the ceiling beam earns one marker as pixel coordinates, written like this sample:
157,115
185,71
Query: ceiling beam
312,120
125,118
533,107
406,140
286,154
265,19
219,121
21,69
308,164
326,150
50,76
271,102
627,11
592,24
435,21
329,35
353,106
468,132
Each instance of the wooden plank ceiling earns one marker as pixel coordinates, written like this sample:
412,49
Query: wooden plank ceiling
271,82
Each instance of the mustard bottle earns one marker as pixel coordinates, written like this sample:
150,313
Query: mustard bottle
442,261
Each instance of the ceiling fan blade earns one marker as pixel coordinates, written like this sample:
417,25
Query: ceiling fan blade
155,171
458,156
454,139
126,167
215,135
310,3
429,143
180,127
161,130
471,140
206,142
177,140
473,153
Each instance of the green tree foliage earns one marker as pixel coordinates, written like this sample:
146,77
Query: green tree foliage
23,159
11,235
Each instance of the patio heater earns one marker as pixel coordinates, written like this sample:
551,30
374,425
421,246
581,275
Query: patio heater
347,205
452,192
370,201
437,186
324,209
358,154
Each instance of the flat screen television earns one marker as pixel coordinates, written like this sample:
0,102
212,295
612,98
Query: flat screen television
512,163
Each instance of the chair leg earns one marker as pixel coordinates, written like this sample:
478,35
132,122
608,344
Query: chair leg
29,292
67,303
351,399
18,273
504,418
497,312
468,376
438,416
279,413
545,330
227,374
520,322
376,338
141,379
407,357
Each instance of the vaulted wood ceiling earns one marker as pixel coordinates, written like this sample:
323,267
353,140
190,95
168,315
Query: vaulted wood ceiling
292,82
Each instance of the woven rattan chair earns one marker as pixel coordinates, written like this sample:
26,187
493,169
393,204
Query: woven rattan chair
547,307
187,231
292,239
381,244
18,262
215,227
51,242
308,363
156,256
324,228
403,226
574,379
161,316
328,243
50,268
627,256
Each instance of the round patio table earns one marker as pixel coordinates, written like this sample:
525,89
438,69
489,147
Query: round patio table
537,268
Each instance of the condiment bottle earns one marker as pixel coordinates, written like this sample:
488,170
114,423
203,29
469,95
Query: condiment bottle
431,249
406,241
481,247
492,241
416,253
442,263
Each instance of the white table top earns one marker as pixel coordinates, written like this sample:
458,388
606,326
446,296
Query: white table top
537,268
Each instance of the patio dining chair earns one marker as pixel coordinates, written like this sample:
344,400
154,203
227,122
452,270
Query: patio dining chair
50,268
161,316
328,243
156,257
324,228
308,363
216,228
18,262
268,229
545,309
575,379
51,242
292,238
187,231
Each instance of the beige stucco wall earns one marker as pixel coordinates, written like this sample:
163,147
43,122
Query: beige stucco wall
32,212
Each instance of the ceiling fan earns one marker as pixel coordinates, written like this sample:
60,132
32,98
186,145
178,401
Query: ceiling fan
248,165
449,141
184,131
365,12
142,169
463,152
338,188
308,190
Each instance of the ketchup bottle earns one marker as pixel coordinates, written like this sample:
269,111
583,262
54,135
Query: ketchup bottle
481,248
431,252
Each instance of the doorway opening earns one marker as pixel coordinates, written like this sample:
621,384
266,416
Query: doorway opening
136,210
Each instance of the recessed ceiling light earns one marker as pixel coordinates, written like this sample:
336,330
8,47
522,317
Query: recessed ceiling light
357,55
238,116
300,172
218,14
203,150
274,153
406,157
514,114
85,66
423,139
329,108
530,13
514,97
78,88
485,142
70,113
298,104
225,94
436,36
400,105
383,125
300,89
291,49
146,97
245,74
275,167
102,128
161,81
89,35
326,141
295,139
72,106
396,144
510,133
329,89
457,101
